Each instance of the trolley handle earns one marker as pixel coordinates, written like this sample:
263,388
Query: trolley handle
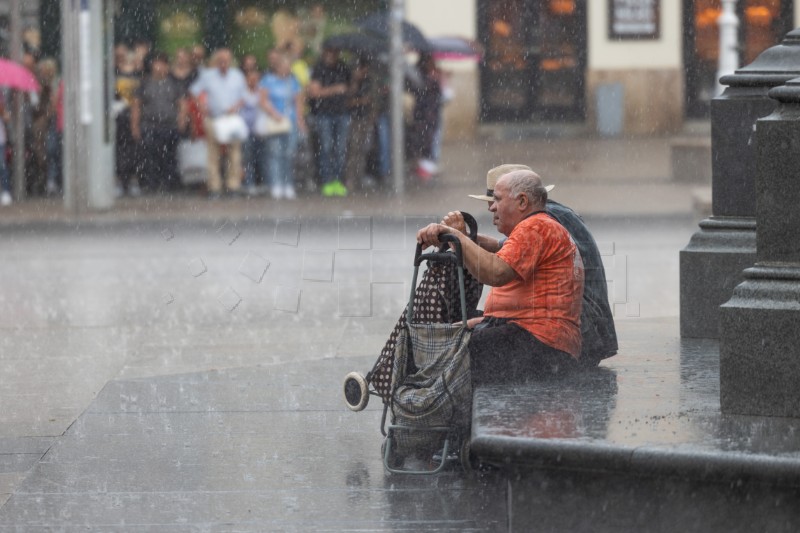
440,256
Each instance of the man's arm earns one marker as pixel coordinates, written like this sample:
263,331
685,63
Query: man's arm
316,90
485,266
455,220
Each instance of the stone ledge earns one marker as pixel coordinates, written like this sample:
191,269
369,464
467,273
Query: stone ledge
652,411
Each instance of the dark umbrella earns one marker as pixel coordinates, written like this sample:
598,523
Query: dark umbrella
378,24
358,43
454,48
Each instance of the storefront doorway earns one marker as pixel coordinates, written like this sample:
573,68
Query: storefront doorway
762,23
535,59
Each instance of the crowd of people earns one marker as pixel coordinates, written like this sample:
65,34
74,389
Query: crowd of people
226,125
43,126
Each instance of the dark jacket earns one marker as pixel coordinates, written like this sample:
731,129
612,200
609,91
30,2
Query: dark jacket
597,321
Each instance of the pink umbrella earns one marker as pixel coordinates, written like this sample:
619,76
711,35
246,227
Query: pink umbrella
15,76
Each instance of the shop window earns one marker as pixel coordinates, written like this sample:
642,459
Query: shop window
762,23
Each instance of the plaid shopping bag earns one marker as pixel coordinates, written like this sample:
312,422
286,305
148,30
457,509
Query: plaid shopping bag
436,301
431,384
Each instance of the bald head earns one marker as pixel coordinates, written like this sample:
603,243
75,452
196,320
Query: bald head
526,182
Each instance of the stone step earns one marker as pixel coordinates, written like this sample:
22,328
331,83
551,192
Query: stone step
640,440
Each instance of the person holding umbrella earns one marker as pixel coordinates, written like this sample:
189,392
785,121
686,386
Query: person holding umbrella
12,76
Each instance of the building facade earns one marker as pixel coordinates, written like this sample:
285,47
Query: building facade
645,66
652,63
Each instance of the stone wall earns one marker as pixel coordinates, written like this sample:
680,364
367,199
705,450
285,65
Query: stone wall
461,113
653,99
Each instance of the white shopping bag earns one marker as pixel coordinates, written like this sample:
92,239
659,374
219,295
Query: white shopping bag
193,161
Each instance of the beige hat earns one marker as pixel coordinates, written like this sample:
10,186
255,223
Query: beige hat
494,174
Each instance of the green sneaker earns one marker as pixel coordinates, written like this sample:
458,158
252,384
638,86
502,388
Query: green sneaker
329,189
341,190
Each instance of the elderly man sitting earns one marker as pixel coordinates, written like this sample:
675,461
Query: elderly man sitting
598,333
531,322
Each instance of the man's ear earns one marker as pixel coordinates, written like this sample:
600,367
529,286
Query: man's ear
523,200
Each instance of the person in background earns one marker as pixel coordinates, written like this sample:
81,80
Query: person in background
254,157
223,86
197,62
198,57
182,70
5,175
43,116
300,68
55,139
380,76
282,97
427,113
157,115
362,105
272,59
448,93
248,62
141,49
127,148
313,24
330,79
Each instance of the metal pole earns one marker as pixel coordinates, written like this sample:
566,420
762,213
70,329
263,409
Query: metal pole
728,24
18,116
396,16
73,130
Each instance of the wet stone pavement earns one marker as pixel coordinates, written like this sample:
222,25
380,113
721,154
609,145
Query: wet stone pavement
254,449
186,376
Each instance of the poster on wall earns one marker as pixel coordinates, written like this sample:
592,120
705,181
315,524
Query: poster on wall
633,19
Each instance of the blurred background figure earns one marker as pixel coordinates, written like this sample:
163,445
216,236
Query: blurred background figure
43,118
296,51
254,149
312,28
248,62
182,70
222,86
127,148
5,175
55,153
141,49
158,115
362,103
330,79
198,59
426,116
283,97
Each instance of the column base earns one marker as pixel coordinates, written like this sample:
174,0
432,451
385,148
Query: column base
759,345
711,266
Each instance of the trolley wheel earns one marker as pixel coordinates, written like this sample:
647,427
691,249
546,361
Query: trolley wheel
356,391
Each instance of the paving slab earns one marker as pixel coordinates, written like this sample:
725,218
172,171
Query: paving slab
254,449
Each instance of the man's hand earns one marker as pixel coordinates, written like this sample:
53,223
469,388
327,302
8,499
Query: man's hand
472,322
455,220
429,235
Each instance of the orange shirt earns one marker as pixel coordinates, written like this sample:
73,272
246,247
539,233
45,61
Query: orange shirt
547,299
